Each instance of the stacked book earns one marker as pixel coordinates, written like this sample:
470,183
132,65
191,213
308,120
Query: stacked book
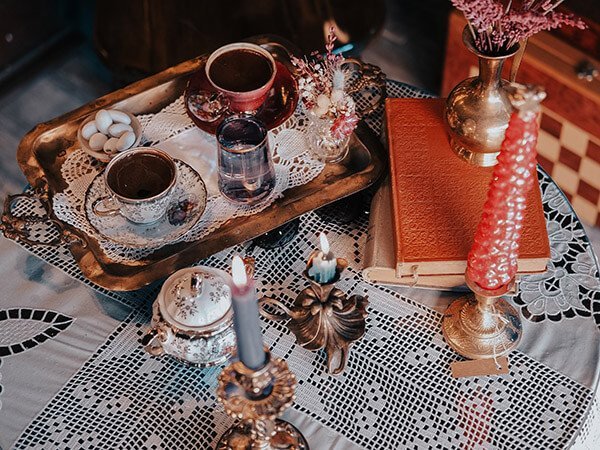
424,218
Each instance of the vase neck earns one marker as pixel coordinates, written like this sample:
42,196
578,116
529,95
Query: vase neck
490,72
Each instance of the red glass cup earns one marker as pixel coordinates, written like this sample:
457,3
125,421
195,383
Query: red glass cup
244,73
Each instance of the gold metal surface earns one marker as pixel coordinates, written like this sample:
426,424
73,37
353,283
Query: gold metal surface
478,109
323,316
42,152
482,324
257,398
366,77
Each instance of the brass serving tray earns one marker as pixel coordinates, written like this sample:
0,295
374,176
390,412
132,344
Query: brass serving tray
44,149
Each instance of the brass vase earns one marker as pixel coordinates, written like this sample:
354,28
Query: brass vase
478,109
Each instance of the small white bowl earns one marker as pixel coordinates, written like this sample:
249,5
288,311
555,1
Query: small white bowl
102,156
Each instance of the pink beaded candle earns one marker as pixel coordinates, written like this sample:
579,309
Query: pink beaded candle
492,261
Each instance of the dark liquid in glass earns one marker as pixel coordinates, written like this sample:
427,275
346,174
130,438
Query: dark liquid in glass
240,70
140,176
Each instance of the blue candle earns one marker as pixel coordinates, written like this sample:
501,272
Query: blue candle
246,320
324,263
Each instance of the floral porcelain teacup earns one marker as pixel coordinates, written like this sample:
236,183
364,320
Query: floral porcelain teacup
139,183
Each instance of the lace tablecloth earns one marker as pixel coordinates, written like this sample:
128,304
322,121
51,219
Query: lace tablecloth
395,393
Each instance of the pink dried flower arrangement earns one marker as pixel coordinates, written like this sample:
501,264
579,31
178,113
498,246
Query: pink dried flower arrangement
496,28
322,80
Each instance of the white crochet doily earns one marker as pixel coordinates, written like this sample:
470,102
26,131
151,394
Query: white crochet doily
173,131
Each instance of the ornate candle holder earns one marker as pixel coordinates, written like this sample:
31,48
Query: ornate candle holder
323,316
257,398
485,325
482,324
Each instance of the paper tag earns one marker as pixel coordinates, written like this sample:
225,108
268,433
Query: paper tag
479,367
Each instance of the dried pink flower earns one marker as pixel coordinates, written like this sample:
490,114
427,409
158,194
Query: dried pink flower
320,69
481,14
321,82
344,125
497,29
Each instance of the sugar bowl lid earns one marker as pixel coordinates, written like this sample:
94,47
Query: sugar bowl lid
196,297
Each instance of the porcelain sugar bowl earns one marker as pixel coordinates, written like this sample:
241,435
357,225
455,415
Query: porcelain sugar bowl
192,319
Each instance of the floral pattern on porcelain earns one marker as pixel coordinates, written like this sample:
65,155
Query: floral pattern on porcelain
202,351
184,208
188,306
192,319
145,212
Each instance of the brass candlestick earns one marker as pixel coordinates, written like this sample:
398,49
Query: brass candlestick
323,316
482,324
257,398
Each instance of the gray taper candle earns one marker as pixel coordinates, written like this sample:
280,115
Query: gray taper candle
246,319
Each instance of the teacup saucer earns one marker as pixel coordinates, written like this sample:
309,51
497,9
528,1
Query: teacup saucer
187,206
279,106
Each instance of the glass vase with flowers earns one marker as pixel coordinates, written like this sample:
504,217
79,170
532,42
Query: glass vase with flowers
330,109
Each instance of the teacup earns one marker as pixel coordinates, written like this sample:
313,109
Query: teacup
244,73
139,183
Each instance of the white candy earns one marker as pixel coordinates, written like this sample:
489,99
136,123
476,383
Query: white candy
117,129
323,101
103,121
88,130
97,141
119,116
125,141
319,111
110,146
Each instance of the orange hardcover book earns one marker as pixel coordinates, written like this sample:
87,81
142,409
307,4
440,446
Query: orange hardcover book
437,199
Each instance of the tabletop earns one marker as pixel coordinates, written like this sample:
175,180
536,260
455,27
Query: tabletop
74,374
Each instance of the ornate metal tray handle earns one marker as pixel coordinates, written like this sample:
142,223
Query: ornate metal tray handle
19,228
323,316
367,77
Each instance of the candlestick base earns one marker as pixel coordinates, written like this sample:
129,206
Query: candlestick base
241,437
258,397
482,324
323,316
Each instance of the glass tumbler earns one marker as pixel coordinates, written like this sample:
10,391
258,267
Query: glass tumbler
246,172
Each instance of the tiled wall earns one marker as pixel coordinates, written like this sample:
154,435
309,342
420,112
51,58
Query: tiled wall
572,157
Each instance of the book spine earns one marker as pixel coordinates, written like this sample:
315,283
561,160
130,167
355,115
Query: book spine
373,239
389,111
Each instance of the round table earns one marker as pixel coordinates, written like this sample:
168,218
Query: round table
75,375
